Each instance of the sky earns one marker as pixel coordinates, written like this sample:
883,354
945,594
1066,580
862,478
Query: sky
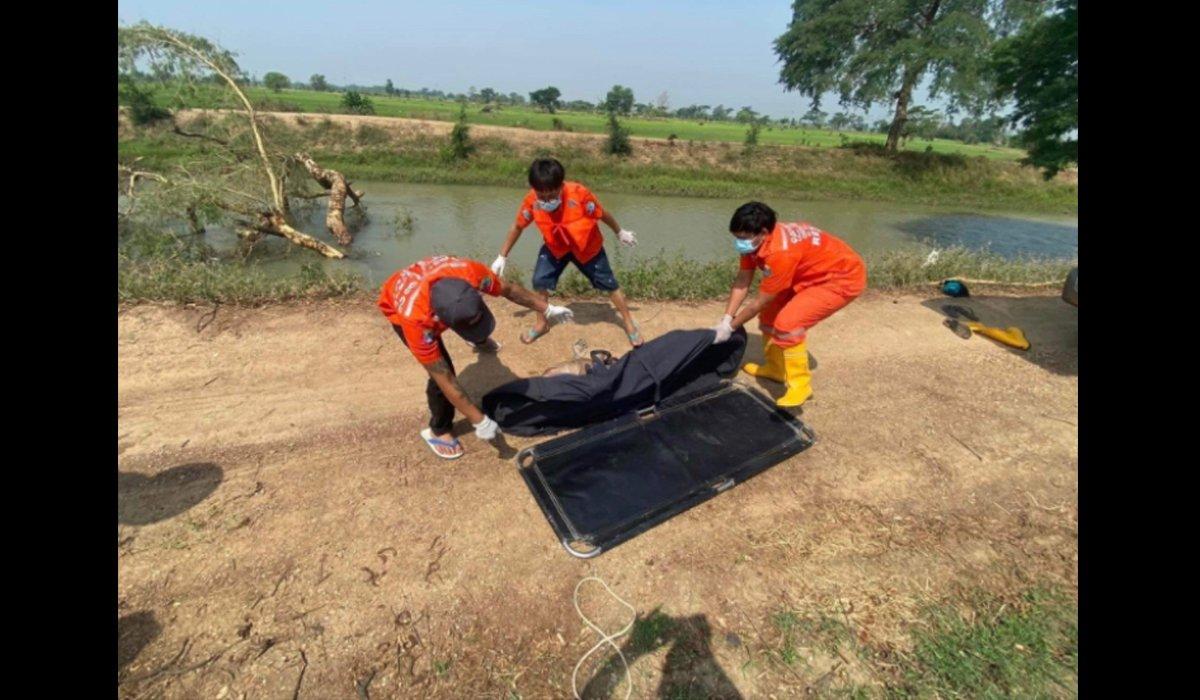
698,51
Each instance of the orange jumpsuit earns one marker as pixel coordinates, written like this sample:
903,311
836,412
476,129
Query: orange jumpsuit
812,273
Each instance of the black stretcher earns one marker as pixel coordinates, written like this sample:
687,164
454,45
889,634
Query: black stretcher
613,480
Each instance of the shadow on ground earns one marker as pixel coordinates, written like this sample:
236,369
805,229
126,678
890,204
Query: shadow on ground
588,313
689,671
143,499
134,632
1050,324
486,372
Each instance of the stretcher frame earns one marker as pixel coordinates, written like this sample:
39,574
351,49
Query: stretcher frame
788,436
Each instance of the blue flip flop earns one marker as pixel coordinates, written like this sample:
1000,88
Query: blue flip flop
427,436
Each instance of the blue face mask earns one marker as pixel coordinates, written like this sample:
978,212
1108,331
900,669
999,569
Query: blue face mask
548,205
745,246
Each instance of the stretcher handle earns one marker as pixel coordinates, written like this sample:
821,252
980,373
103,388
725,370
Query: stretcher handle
580,555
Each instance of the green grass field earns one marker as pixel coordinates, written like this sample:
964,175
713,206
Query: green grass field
529,118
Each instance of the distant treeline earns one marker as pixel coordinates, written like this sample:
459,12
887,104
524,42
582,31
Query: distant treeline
922,123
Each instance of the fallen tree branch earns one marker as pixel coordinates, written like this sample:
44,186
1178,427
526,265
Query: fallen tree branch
273,223
339,189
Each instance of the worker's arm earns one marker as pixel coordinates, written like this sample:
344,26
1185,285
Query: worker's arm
514,232
737,294
751,310
628,238
439,370
519,295
611,222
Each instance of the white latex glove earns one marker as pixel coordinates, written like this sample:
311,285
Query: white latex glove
724,329
559,314
498,265
486,429
629,238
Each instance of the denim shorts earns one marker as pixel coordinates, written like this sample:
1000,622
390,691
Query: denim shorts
549,269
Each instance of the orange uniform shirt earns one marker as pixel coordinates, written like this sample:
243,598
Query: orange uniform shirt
571,228
799,255
404,299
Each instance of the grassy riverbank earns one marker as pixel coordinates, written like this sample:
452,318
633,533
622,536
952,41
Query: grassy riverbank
376,148
160,267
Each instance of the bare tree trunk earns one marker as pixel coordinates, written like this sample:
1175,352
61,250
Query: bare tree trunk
339,188
901,117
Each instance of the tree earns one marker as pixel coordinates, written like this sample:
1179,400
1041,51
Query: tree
721,113
922,123
276,81
814,117
546,98
241,177
662,102
839,121
746,115
389,88
139,100
460,146
1039,67
751,138
692,112
317,82
619,100
879,50
355,103
618,138
487,95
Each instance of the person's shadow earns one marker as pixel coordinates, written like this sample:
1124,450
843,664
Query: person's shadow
690,669
590,312
143,499
485,373
134,632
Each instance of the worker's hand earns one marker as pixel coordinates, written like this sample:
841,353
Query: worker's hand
486,429
498,265
724,329
559,314
629,238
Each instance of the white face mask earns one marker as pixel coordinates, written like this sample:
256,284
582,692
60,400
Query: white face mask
548,205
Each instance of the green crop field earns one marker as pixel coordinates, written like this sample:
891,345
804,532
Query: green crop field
526,117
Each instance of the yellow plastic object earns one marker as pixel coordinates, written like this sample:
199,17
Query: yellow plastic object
1011,336
797,376
773,369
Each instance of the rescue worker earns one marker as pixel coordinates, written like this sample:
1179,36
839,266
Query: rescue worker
808,274
423,300
566,213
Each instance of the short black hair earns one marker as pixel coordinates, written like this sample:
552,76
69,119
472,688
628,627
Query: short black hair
752,217
546,174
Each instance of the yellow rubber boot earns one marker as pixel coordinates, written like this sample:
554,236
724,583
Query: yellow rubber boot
797,376
773,369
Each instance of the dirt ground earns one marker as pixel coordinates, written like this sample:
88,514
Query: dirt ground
284,533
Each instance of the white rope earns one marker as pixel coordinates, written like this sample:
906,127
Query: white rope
604,638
